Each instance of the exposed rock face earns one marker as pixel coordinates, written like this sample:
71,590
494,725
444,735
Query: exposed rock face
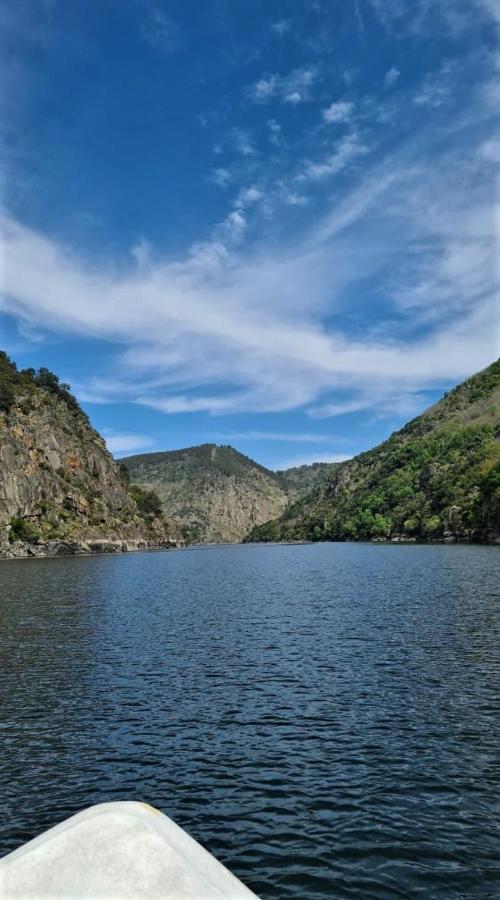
59,485
215,493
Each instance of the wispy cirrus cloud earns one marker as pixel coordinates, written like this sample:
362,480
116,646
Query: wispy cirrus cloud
251,318
383,402
285,436
421,17
263,319
120,443
161,31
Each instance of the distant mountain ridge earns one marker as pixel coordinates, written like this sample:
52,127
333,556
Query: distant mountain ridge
216,493
438,478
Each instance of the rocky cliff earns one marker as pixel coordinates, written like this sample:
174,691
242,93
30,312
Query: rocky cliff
60,489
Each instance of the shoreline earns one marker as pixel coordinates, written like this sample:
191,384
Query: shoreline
57,548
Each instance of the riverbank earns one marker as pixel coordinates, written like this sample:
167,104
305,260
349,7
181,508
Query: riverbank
25,550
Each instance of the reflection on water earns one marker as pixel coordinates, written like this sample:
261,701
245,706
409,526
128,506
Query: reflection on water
323,718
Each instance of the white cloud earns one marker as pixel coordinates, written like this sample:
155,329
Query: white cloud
186,404
295,461
141,252
437,88
359,17
293,88
248,196
391,77
269,317
432,95
243,142
221,177
275,130
291,198
341,111
345,151
281,27
490,151
385,403
423,17
264,88
233,226
291,437
161,30
491,8
122,443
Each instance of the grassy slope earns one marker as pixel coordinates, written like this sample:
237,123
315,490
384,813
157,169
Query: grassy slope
438,478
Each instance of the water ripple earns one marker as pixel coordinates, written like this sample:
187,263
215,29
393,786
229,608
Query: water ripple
323,718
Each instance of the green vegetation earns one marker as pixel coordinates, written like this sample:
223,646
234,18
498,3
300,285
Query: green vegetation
438,478
218,459
148,502
16,383
23,530
301,480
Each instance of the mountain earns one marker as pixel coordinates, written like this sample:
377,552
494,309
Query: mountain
436,479
60,489
216,493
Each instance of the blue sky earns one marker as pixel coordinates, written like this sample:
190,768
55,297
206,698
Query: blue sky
270,224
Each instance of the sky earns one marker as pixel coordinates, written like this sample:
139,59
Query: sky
266,224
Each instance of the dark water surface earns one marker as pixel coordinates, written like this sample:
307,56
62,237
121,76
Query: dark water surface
324,718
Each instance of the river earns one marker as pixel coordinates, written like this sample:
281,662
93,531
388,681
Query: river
323,718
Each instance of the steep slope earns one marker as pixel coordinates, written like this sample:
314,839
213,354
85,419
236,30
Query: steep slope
436,479
215,493
299,481
58,482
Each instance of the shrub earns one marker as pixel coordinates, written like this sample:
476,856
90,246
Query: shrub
22,530
124,473
148,502
13,381
433,524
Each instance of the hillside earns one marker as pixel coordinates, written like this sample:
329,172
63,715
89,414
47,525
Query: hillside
216,493
59,485
436,479
299,481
